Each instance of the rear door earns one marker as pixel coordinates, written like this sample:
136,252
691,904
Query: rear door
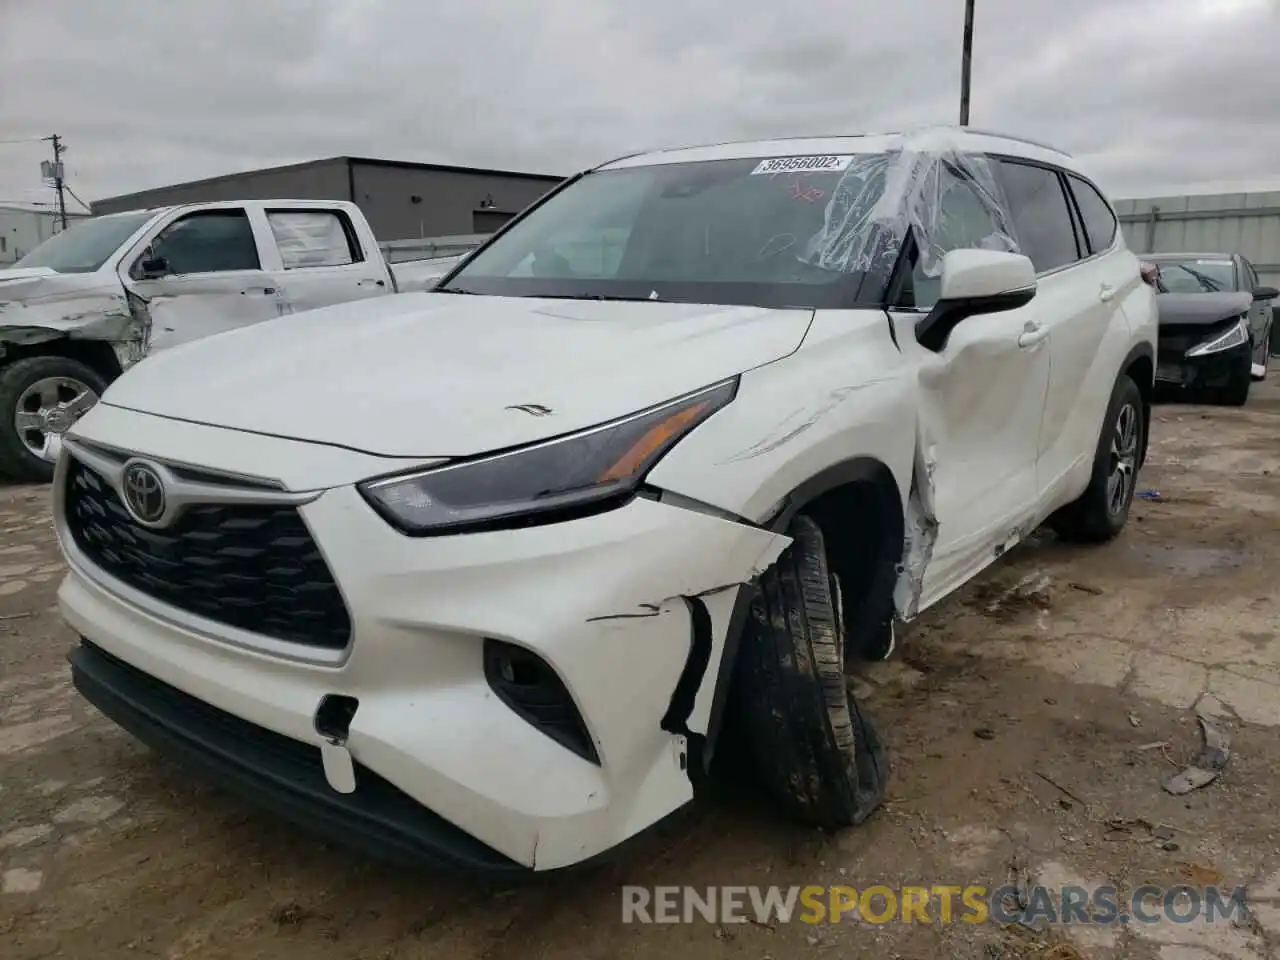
318,258
1071,235
214,280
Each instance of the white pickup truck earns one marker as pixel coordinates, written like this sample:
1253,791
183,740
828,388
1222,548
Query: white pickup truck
95,299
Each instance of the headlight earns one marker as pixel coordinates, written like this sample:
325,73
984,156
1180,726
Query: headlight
592,469
1236,336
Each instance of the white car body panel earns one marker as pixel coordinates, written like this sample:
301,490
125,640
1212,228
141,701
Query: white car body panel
982,440
583,362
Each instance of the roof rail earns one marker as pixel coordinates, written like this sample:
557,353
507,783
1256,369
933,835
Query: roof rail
1009,136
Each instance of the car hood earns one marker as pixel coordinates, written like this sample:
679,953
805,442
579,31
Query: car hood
1193,309
432,375
30,285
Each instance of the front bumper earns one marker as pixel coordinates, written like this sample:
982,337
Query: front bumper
607,601
1211,372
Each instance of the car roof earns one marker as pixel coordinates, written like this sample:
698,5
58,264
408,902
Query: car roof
937,139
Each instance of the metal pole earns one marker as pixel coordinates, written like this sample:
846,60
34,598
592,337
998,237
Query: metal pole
57,178
966,62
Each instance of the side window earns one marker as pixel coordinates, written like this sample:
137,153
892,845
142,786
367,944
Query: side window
963,222
1099,219
313,238
1041,218
212,241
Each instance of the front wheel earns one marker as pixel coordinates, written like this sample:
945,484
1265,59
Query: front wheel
40,399
1100,513
1236,392
811,745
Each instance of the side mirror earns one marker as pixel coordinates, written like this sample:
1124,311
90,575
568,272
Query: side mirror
153,268
1265,293
976,282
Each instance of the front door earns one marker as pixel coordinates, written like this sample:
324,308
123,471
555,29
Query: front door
212,278
981,401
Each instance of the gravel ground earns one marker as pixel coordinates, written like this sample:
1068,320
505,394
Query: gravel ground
1032,720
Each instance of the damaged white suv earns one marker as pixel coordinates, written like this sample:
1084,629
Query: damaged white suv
482,576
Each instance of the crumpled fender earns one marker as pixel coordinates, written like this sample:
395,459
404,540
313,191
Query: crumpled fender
114,316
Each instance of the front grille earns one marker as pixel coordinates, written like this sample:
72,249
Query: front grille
253,567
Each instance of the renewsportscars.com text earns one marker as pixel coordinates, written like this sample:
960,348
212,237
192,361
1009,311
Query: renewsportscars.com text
933,904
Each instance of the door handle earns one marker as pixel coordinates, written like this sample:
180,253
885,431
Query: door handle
1032,335
1105,293
370,280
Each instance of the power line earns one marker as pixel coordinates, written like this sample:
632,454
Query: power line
77,199
26,140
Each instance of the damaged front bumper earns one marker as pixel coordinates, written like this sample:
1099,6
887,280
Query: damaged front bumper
1211,371
629,610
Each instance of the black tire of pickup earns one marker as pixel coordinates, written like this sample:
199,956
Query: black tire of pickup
17,463
810,744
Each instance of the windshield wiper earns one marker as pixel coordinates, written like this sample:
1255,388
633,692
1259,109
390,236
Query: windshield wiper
597,296
452,290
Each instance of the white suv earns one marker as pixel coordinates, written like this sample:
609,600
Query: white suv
483,575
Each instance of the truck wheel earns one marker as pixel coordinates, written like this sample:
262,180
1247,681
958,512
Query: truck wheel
1101,511
40,398
810,744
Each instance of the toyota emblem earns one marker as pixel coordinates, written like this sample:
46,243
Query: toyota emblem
144,493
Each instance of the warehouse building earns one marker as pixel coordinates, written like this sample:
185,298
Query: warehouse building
23,228
402,201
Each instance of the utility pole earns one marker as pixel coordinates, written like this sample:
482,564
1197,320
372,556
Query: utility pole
966,62
58,151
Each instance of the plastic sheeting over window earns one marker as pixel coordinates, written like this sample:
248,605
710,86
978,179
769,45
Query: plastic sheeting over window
935,188
310,238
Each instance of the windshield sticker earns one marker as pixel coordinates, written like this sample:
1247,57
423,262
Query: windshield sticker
802,165
800,192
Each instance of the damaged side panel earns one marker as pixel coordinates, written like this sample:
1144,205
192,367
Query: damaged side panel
118,319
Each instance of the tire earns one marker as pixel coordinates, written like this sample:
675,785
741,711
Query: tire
1236,392
809,743
17,462
1095,517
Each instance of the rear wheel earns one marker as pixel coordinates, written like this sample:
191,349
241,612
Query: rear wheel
40,399
1102,510
810,744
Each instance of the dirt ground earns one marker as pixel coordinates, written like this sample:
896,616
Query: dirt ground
1032,721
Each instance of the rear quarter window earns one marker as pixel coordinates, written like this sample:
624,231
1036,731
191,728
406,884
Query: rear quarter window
1099,219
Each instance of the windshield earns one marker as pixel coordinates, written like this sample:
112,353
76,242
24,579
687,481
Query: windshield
87,245
790,232
1196,276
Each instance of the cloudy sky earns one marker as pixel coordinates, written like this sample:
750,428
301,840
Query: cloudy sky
1150,93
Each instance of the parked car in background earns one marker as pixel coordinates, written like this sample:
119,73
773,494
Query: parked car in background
91,301
481,576
1216,322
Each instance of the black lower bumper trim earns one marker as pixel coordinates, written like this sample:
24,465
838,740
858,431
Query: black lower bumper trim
284,775
1212,371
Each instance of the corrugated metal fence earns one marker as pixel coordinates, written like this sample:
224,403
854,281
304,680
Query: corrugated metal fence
398,251
1246,223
